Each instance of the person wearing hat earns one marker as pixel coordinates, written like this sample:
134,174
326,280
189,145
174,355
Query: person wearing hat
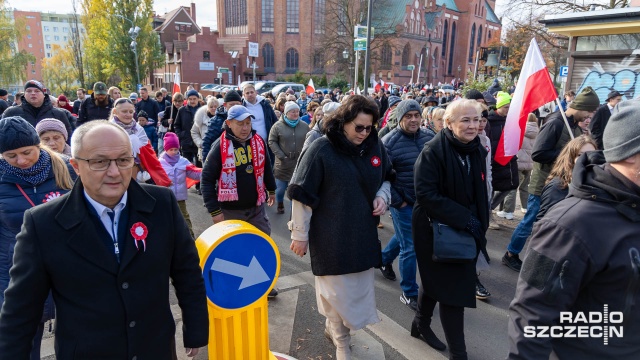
35,106
601,117
4,96
97,106
63,103
182,127
107,251
53,134
237,178
133,97
286,140
30,174
429,101
584,254
216,124
404,144
553,136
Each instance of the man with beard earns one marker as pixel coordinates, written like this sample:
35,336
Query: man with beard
35,106
96,107
553,136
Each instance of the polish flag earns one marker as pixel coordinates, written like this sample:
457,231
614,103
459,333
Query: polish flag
376,85
533,90
310,88
384,84
176,82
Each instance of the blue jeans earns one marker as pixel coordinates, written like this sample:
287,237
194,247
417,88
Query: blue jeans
401,243
523,230
281,188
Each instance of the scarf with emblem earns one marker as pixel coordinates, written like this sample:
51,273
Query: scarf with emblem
227,185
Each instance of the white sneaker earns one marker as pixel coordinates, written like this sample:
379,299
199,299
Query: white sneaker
506,215
523,210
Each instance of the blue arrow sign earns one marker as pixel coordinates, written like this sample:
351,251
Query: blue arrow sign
251,275
240,270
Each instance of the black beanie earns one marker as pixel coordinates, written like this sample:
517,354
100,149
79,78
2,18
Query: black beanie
16,132
474,94
232,95
34,84
3,92
143,114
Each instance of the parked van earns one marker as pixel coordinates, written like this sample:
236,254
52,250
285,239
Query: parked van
284,87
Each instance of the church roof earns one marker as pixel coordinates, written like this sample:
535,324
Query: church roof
491,15
450,4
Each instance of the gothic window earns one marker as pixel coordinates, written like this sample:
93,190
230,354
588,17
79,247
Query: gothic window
472,43
386,56
292,60
445,37
479,35
293,16
267,55
319,16
406,55
451,47
267,15
318,60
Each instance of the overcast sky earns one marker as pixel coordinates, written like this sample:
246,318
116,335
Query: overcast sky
205,9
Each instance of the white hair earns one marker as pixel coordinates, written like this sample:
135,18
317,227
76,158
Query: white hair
451,113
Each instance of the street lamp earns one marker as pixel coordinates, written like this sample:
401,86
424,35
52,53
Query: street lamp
134,31
459,68
345,55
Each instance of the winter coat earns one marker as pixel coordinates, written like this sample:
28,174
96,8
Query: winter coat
314,134
553,136
12,208
170,113
339,182
200,126
178,174
486,142
214,130
524,155
403,150
150,106
152,134
286,144
33,115
3,106
599,123
552,194
504,177
583,255
182,126
90,111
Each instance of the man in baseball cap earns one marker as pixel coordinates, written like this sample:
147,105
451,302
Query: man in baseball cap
96,107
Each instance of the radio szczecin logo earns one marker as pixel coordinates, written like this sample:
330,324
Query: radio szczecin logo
593,324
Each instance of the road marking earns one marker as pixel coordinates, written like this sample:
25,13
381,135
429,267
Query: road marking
281,320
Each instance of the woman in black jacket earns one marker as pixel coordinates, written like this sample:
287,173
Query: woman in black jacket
450,182
182,127
557,186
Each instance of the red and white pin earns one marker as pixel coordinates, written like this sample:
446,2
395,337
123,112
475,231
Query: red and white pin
375,161
139,232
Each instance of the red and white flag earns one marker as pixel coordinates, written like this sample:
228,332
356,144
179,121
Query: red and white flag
310,87
375,85
384,84
533,90
176,82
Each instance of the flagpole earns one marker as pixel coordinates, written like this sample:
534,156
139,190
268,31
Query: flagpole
564,117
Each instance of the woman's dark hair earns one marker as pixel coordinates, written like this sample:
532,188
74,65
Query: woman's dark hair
348,111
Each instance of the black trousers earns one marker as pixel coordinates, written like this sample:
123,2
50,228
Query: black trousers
452,319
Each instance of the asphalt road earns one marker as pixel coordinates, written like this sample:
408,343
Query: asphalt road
296,327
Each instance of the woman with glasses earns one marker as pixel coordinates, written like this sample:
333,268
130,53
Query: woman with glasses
30,174
339,190
145,157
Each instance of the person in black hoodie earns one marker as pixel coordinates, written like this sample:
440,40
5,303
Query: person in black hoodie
602,115
584,257
182,127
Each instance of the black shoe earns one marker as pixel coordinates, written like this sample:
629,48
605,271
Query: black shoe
273,293
387,272
481,291
512,261
410,301
280,208
198,191
427,335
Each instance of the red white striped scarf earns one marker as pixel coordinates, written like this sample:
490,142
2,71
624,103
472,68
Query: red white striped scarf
227,185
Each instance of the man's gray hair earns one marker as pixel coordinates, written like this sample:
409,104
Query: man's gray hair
80,132
163,90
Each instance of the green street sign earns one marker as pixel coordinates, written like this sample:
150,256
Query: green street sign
411,67
360,44
360,32
223,70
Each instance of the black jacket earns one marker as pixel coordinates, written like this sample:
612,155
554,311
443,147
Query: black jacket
598,123
3,106
584,254
89,110
182,127
403,150
339,182
552,194
245,177
503,177
150,106
214,130
105,309
33,115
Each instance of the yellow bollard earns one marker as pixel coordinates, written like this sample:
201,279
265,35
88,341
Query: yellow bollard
240,265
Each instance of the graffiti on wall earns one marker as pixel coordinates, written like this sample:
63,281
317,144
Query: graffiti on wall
623,76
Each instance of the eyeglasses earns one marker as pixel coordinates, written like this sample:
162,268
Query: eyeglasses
360,128
122,101
103,164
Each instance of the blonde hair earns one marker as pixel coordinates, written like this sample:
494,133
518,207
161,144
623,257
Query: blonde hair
532,118
453,108
60,169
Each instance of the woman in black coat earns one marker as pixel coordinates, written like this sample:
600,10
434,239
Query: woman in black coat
450,181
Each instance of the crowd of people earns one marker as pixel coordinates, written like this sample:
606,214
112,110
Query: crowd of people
427,155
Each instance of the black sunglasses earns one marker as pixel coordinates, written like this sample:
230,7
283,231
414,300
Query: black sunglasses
360,128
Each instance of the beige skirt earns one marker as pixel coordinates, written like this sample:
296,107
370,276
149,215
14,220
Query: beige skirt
348,298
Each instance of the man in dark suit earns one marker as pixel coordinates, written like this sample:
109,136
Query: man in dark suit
601,117
106,250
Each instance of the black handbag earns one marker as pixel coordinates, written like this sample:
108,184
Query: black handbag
451,245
